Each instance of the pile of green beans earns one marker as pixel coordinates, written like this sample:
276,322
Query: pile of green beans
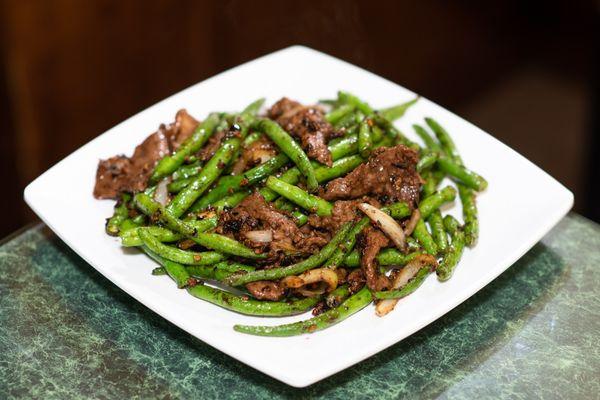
181,234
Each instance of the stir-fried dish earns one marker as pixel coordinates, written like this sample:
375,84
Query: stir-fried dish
325,207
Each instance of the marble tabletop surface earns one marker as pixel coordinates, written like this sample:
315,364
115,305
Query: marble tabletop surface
67,332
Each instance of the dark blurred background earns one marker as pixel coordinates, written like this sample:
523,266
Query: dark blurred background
525,71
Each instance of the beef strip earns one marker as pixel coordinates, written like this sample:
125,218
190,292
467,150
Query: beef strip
370,242
130,174
256,153
356,280
266,290
308,124
343,211
254,213
390,175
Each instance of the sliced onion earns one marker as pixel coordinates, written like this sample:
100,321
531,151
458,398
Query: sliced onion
402,278
326,275
260,236
386,223
412,222
161,194
263,155
303,291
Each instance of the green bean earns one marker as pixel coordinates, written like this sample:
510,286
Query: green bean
424,238
228,185
120,214
231,201
180,184
412,245
353,304
395,112
444,138
214,272
377,134
247,306
227,268
451,224
169,164
217,272
300,197
385,257
435,201
284,205
462,174
292,149
466,194
154,210
407,289
186,171
338,168
471,227
130,237
254,107
451,257
365,140
213,241
223,244
397,210
437,230
311,262
176,271
347,122
253,137
429,141
129,224
341,147
335,115
391,130
426,161
337,296
348,98
204,179
175,254
339,255
432,180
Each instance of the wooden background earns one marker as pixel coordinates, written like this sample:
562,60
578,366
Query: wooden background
523,71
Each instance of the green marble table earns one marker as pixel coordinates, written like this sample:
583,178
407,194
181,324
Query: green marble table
67,332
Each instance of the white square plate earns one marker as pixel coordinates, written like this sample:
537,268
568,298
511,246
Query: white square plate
521,204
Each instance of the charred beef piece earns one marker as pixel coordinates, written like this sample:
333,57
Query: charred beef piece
130,174
256,153
343,211
266,290
390,175
307,124
255,214
369,243
356,281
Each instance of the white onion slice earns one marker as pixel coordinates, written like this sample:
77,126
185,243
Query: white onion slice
387,224
260,236
412,222
161,194
402,278
325,275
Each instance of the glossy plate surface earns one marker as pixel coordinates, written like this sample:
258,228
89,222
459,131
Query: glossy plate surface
521,204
